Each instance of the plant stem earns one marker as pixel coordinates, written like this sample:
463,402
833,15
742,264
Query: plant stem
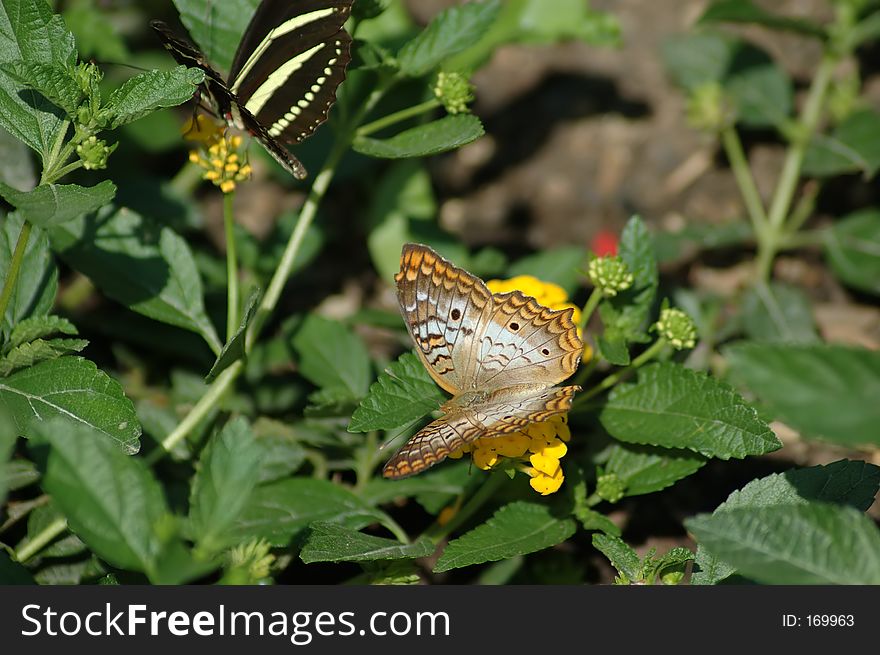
590,306
199,411
437,533
41,540
617,376
398,116
743,174
14,267
232,304
769,242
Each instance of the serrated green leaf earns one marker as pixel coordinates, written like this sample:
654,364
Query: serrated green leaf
622,557
8,436
70,573
53,204
852,146
516,529
852,483
280,511
330,355
150,91
222,486
280,454
36,351
819,390
110,500
233,349
72,387
852,246
613,349
403,393
55,83
697,59
675,407
449,33
37,282
592,520
38,327
145,266
646,469
558,265
778,312
330,542
432,138
331,401
810,543
745,11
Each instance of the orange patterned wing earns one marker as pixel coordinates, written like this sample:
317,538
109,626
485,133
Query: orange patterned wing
443,307
503,412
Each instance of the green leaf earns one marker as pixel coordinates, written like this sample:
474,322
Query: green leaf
66,545
55,83
745,11
853,483
20,473
868,29
217,27
330,355
443,483
39,350
516,529
8,436
798,544
111,501
645,469
449,33
222,486
30,33
331,401
403,393
853,146
693,237
38,327
95,29
432,138
145,266
778,312
852,246
37,281
150,91
233,349
281,510
52,204
281,454
675,407
697,59
558,265
613,349
819,390
622,557
72,387
330,542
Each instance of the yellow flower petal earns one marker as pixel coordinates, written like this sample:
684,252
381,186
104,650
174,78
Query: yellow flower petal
555,449
511,445
543,431
544,464
547,484
485,458
562,431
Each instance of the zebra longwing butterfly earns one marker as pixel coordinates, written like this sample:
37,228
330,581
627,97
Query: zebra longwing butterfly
284,76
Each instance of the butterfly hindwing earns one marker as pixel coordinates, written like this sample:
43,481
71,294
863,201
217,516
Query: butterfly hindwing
504,411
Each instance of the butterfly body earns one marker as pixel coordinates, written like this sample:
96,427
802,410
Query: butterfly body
498,354
284,76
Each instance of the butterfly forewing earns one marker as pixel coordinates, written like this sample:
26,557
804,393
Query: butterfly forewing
289,64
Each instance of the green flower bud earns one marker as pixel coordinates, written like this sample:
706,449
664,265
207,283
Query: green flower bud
672,576
610,275
610,487
455,91
677,328
844,96
254,557
708,109
366,9
94,152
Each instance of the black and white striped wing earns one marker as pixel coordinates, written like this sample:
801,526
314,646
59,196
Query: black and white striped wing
289,63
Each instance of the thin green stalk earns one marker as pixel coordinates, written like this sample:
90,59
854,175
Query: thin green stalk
232,304
590,306
655,349
743,174
495,481
14,267
53,158
398,116
42,539
199,411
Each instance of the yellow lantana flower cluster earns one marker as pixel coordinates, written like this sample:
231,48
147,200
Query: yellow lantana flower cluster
219,154
538,449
